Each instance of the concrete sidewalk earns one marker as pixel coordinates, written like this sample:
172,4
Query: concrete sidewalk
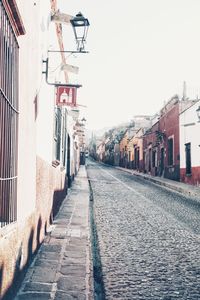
183,188
62,268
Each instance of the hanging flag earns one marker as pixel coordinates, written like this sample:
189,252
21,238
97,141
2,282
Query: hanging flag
66,96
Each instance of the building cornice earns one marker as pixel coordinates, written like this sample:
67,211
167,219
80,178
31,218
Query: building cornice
14,16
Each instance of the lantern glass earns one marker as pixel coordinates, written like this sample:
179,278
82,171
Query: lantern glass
80,26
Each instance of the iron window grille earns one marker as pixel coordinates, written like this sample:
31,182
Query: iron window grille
64,137
9,52
57,133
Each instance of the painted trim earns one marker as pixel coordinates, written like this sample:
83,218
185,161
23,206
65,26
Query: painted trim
193,179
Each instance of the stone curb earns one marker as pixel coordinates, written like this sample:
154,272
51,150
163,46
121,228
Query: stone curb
185,189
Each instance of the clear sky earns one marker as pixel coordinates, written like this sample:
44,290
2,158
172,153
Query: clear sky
141,51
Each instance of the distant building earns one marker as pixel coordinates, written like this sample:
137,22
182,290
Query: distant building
168,148
162,142
151,150
126,153
100,150
141,121
136,146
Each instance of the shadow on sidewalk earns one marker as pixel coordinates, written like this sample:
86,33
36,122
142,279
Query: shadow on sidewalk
33,242
19,271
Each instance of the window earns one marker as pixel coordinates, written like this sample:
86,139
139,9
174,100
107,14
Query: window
8,120
57,133
154,158
150,153
129,156
170,151
64,137
137,157
60,133
188,158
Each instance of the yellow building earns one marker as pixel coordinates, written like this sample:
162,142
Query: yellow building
136,146
126,148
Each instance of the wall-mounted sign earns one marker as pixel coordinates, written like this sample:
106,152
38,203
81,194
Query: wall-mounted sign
66,96
70,68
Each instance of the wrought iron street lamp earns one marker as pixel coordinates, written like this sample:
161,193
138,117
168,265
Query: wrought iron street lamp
80,26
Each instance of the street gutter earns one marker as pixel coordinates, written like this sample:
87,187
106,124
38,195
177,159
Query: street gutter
98,284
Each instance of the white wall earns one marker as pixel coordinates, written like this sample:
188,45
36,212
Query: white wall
190,133
46,93
36,128
35,131
27,93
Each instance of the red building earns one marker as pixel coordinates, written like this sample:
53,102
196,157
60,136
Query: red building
169,147
150,150
161,143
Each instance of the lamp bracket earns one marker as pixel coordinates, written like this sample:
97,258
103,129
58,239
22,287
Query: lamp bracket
70,51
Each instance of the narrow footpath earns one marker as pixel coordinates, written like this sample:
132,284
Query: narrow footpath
62,267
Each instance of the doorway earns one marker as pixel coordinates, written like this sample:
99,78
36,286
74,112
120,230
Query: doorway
68,161
162,162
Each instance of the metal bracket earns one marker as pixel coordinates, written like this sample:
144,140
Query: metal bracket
46,62
73,52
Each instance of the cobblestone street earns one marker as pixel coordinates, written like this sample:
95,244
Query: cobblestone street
148,237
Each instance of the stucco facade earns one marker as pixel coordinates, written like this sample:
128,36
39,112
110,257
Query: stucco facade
136,144
150,151
190,145
126,149
42,178
169,127
162,141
